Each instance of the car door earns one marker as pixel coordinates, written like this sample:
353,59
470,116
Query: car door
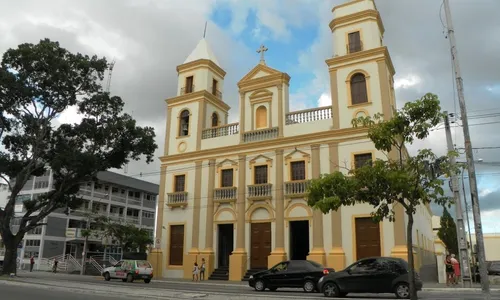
113,273
361,276
277,276
121,272
295,274
385,272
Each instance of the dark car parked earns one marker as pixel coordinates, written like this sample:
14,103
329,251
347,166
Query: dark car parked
375,275
290,274
493,267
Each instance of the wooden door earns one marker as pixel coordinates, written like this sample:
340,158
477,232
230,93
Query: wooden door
261,245
176,245
367,238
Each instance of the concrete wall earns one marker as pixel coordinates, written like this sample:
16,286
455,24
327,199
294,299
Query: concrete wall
52,248
56,226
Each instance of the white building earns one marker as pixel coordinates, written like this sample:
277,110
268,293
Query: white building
233,194
4,193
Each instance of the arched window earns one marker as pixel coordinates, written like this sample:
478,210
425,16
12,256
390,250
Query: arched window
215,119
359,92
184,123
261,117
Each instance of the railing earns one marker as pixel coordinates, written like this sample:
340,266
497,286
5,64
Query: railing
260,135
296,187
187,89
133,220
216,93
112,260
96,265
72,263
134,202
118,198
223,130
309,115
85,192
354,47
102,195
225,193
260,190
116,217
177,198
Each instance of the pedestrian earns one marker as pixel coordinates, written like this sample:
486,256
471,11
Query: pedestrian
32,262
202,269
196,270
54,268
449,270
456,268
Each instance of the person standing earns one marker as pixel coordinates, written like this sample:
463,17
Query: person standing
449,270
456,268
196,271
32,262
54,268
202,269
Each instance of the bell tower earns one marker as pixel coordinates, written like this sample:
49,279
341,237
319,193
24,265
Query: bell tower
199,103
361,70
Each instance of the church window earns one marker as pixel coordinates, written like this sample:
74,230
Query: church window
189,88
260,174
214,87
215,119
184,123
361,160
227,178
359,92
355,44
298,170
261,117
179,183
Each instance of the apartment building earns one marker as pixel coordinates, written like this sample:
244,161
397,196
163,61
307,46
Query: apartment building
235,194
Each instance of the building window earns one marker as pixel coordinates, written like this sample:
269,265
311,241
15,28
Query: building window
261,117
176,245
227,178
41,184
215,119
355,44
361,160
260,174
298,170
148,215
184,123
29,254
189,88
35,231
180,183
32,243
214,87
359,92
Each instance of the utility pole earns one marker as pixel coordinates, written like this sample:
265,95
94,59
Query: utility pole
485,283
462,242
467,216
84,254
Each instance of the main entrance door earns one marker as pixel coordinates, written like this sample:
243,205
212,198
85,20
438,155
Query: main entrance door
299,240
261,245
367,238
225,245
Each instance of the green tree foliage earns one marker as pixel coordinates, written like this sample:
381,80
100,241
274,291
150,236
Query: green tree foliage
37,83
448,232
400,179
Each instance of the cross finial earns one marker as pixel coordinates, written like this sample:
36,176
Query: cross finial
262,50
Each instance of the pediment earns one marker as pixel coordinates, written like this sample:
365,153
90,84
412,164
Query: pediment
227,161
259,71
290,156
261,94
260,157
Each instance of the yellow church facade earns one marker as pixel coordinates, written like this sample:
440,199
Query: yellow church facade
234,194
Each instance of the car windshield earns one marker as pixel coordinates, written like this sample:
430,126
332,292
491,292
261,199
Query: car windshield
143,264
405,265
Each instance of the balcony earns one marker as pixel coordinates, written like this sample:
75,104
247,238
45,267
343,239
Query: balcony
296,188
224,130
83,192
354,47
309,115
260,135
260,191
134,201
117,198
225,194
187,89
216,93
177,199
133,220
116,217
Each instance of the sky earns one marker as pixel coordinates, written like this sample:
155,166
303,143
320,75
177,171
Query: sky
149,38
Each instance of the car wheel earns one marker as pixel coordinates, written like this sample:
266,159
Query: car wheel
260,286
330,289
147,280
309,286
130,278
402,291
107,277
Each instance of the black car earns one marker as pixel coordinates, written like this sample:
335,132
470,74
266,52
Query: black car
290,274
493,267
374,275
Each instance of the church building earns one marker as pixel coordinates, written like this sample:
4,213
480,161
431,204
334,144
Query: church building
234,194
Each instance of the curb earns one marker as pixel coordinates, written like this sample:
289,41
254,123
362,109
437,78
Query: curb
457,290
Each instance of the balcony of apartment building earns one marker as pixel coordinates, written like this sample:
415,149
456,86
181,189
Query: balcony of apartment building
118,195
179,197
134,198
133,216
148,219
117,213
149,201
83,210
100,209
227,192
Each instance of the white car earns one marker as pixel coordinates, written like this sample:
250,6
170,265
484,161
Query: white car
129,270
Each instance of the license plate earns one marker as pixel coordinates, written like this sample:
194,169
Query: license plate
145,276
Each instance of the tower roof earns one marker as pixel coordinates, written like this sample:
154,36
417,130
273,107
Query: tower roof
202,51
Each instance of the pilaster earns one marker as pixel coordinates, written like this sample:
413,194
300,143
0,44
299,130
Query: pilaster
279,253
192,256
208,253
238,259
317,253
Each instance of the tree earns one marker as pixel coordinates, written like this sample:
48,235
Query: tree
401,179
448,232
37,83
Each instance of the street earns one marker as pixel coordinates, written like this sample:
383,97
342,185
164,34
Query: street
62,286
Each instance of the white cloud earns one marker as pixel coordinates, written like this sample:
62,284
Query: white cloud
406,82
324,100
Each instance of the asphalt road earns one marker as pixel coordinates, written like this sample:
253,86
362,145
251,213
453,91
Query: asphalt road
224,291
15,293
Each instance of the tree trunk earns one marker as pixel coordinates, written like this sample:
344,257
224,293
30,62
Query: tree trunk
10,258
411,262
